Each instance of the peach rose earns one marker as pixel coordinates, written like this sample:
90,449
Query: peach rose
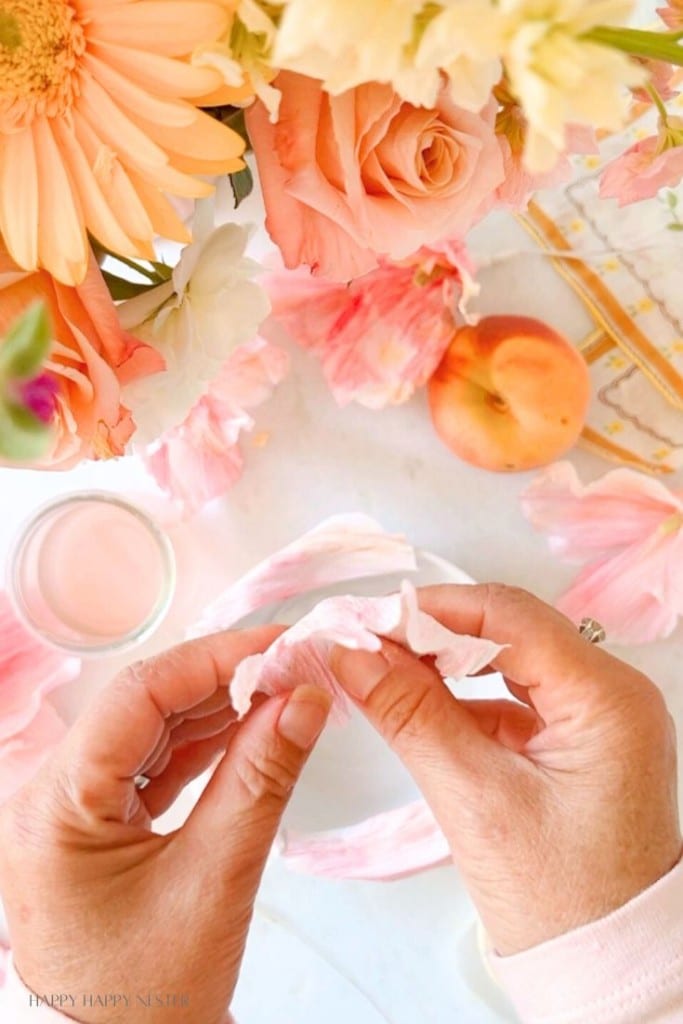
91,358
349,179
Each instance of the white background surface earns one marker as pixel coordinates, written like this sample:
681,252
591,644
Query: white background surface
402,952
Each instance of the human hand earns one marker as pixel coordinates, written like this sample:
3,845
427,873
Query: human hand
96,902
558,809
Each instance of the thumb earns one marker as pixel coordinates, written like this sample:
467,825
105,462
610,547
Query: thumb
238,815
438,739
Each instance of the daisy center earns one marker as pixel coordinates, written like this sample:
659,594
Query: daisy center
41,42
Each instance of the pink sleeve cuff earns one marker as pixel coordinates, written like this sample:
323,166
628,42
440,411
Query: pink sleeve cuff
19,1005
626,968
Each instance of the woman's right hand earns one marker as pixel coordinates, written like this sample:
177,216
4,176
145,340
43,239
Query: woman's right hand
558,809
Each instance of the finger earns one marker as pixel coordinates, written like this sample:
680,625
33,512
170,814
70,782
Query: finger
547,662
189,731
509,723
185,765
240,810
436,736
110,743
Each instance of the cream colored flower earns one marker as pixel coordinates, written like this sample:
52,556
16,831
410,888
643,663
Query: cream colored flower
208,308
243,56
464,41
561,78
345,43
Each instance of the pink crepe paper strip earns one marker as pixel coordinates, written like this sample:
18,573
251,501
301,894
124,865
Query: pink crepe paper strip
628,528
341,548
385,847
300,655
29,727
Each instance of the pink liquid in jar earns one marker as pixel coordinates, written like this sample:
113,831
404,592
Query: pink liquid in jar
92,573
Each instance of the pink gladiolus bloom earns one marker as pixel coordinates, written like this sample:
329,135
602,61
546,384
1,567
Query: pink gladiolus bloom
383,335
642,170
341,548
384,847
29,727
201,459
628,528
520,184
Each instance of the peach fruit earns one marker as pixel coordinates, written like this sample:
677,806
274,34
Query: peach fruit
510,394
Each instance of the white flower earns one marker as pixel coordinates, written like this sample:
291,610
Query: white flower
464,40
562,78
346,42
208,308
409,44
243,56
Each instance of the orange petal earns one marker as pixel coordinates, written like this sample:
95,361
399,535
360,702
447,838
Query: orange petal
114,182
206,139
165,220
161,75
19,197
62,244
131,96
172,28
100,216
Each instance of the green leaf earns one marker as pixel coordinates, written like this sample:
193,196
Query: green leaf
242,184
675,227
26,344
672,200
23,437
120,288
639,42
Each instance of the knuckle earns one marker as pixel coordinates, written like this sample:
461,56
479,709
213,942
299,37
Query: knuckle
267,775
406,715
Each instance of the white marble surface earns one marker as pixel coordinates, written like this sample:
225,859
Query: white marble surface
402,952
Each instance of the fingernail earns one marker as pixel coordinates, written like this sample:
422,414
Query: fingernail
304,715
358,672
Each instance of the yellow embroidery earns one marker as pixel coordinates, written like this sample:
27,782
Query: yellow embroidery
615,427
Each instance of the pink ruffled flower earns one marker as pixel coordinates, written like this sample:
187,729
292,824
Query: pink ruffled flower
641,171
351,178
383,335
29,727
520,184
628,528
201,459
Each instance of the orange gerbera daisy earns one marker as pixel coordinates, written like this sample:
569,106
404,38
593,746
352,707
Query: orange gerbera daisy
99,120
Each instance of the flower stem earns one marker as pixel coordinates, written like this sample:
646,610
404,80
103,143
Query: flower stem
639,43
658,102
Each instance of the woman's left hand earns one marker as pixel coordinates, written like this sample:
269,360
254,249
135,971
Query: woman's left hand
97,904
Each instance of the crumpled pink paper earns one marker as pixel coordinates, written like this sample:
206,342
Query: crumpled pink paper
300,655
628,529
29,727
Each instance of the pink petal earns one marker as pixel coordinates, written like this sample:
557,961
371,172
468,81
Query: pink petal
341,548
581,521
300,655
22,755
387,846
637,594
29,670
201,459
